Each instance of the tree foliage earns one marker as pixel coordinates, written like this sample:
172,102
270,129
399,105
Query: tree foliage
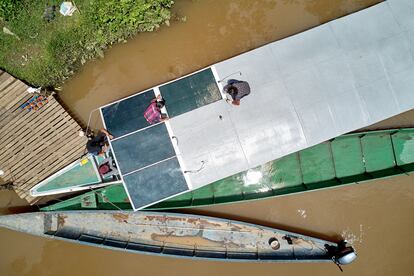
45,53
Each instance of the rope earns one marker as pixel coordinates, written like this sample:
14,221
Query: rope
203,163
238,72
85,152
104,199
89,120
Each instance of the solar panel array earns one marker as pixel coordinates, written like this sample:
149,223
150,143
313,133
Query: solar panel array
144,153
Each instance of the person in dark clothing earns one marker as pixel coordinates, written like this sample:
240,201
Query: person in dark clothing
237,90
98,144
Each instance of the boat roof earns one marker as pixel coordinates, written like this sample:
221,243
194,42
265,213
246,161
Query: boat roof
306,89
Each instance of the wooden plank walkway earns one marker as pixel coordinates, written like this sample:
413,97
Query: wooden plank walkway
34,144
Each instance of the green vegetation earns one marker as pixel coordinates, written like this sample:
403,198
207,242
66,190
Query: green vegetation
39,45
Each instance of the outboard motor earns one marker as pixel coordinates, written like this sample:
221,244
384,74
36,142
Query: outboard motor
345,255
342,254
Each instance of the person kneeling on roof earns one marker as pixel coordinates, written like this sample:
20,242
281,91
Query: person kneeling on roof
236,89
153,112
99,144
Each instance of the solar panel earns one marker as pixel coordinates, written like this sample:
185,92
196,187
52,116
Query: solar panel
126,116
190,92
144,153
143,148
156,182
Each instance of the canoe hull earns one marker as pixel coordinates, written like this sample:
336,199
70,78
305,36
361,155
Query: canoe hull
174,235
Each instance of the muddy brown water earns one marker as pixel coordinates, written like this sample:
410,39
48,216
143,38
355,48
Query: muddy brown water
377,217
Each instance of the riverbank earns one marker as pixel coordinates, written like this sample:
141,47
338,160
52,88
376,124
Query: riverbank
44,48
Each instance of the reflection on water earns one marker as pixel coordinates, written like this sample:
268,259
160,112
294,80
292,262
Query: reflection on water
377,217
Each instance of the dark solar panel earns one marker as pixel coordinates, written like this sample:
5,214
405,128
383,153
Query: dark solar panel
141,153
190,92
143,148
155,183
128,115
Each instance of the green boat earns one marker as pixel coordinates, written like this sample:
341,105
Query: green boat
348,159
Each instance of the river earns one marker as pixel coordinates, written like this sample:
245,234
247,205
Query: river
376,217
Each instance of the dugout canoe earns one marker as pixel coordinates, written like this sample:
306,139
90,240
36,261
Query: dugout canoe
179,235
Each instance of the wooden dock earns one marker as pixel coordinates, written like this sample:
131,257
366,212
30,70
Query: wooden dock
34,143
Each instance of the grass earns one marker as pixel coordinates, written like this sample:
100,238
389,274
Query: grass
47,53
